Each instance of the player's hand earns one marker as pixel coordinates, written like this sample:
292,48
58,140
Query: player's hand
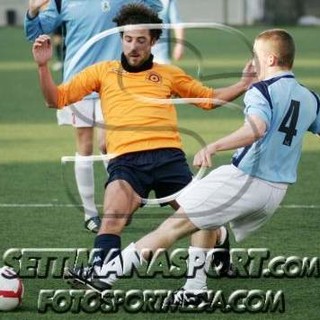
42,50
35,5
249,74
203,157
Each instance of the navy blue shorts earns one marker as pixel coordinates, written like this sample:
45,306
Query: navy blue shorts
165,171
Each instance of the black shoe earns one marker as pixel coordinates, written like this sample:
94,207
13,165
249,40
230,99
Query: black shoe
222,259
188,299
84,278
93,224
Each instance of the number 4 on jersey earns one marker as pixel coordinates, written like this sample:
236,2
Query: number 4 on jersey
289,123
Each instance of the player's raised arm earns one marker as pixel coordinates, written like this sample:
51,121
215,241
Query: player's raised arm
253,129
226,94
35,6
42,53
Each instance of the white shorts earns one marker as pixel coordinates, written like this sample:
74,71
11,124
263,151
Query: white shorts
228,195
85,113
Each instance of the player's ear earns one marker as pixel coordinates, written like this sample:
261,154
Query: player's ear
272,59
153,41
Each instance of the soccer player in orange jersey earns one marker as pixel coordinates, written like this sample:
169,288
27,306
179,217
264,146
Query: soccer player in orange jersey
142,131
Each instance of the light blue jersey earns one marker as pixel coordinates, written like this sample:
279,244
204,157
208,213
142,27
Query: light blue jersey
289,111
82,20
169,14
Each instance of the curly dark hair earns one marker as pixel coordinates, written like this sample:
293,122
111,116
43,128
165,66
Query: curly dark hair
135,13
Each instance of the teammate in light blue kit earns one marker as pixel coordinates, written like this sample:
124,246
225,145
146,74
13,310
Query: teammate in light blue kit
161,50
279,111
82,20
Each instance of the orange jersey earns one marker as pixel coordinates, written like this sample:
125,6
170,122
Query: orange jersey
135,117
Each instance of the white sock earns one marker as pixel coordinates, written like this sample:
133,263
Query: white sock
223,235
198,265
85,182
124,263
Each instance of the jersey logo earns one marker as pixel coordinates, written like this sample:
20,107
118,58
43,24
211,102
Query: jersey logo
154,77
105,5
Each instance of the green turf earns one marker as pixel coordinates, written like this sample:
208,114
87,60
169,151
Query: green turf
32,144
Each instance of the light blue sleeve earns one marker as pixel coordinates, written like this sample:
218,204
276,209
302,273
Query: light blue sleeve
173,12
256,104
315,126
46,22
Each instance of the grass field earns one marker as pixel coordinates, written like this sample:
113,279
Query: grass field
36,210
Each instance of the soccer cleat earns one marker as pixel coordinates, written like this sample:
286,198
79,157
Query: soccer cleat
222,258
174,299
84,278
188,299
93,224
